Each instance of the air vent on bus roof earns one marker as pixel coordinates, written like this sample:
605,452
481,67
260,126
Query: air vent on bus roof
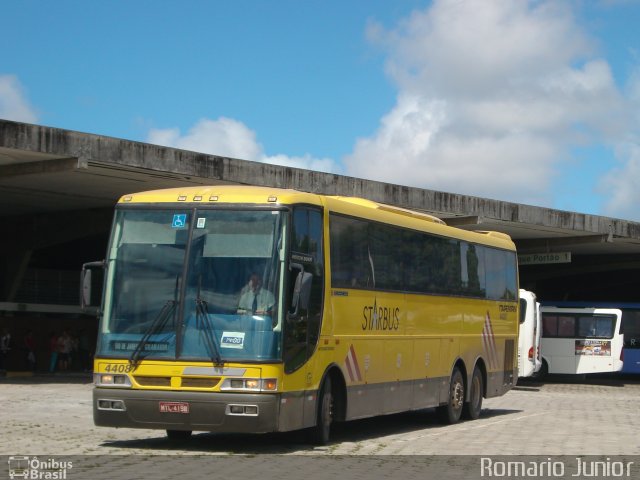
410,213
363,202
495,234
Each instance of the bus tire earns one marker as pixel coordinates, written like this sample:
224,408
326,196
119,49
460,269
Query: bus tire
451,412
319,435
178,435
473,407
544,370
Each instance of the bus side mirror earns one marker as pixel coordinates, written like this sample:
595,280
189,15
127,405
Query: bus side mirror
301,290
86,301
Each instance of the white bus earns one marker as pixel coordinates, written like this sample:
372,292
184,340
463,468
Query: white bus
581,340
529,359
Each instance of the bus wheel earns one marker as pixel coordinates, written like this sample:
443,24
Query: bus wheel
452,411
544,370
319,435
178,434
474,405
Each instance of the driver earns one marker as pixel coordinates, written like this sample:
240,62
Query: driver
254,299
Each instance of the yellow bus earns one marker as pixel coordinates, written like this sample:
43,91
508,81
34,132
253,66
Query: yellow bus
251,309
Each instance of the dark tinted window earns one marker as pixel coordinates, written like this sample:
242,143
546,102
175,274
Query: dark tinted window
303,320
577,325
523,310
372,255
631,328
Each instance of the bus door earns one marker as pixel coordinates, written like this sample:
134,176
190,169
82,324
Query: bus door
303,319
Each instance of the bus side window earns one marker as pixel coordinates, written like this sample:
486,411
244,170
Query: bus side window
523,310
586,326
549,326
566,326
604,327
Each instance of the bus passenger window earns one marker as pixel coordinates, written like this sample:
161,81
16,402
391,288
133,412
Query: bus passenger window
604,327
549,326
566,326
586,327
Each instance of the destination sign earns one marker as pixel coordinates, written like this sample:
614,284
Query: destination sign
129,346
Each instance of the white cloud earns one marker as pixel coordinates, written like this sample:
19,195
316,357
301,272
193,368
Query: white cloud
13,102
622,186
492,96
225,137
230,138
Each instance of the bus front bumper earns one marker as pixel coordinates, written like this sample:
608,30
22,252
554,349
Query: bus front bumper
179,410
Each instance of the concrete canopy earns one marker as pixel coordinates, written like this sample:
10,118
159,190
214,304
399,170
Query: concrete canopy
47,172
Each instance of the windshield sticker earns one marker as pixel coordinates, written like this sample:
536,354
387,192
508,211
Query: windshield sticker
201,222
179,220
232,340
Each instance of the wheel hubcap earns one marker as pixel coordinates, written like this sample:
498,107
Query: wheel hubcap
458,395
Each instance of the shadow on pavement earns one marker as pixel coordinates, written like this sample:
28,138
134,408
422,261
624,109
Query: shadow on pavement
291,442
602,379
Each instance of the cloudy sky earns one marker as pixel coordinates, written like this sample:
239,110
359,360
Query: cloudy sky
534,102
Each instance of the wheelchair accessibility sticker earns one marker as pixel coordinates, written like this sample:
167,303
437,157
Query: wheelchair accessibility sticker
179,220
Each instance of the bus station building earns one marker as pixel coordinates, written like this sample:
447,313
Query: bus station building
58,189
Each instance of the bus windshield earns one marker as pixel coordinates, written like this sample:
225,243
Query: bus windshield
194,284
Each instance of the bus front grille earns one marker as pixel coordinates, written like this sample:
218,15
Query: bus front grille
153,381
210,382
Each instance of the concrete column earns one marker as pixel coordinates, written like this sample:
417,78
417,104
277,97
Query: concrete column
15,267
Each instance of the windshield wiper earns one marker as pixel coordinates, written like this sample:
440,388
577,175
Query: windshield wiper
202,316
156,326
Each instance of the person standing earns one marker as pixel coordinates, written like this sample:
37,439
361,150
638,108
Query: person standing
53,352
30,349
65,346
5,346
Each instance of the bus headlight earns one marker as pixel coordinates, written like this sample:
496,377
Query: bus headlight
250,384
110,380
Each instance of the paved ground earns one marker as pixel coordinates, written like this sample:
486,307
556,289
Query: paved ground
53,416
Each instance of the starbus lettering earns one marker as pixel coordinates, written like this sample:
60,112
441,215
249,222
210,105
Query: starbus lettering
380,318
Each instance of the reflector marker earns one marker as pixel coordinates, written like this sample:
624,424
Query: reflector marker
351,365
489,342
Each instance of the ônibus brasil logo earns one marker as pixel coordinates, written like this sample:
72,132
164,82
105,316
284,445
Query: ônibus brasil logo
35,468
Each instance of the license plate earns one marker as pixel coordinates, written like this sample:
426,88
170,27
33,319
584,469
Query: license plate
174,407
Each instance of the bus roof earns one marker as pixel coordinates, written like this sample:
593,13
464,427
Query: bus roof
217,194
354,206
